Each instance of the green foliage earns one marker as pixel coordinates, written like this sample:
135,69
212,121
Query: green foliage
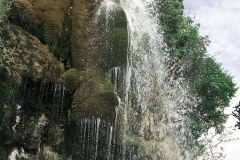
171,18
236,113
187,48
212,87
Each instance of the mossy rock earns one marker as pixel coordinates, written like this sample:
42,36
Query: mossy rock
81,15
72,78
114,50
46,20
133,145
27,57
95,97
117,19
114,54
50,22
120,19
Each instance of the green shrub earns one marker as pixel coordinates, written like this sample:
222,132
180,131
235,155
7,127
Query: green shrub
209,84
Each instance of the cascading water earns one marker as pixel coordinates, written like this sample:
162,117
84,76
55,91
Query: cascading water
148,90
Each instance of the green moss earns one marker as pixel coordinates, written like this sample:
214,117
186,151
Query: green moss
5,113
95,97
116,20
1,9
114,53
71,79
44,19
63,48
81,17
51,35
114,50
120,20
5,33
52,14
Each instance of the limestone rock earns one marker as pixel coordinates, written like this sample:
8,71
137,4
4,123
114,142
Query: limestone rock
94,97
25,56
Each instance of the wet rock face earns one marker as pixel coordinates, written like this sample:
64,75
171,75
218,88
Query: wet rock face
30,132
37,121
63,103
94,97
114,38
32,71
25,135
95,139
154,139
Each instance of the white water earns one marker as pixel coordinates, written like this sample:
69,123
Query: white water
147,85
17,119
144,62
18,154
90,135
98,123
147,76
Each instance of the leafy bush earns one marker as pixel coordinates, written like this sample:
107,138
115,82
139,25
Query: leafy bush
212,87
236,113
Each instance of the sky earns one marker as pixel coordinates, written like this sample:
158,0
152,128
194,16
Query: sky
220,20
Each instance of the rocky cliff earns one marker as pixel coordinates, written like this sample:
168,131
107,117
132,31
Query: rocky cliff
63,65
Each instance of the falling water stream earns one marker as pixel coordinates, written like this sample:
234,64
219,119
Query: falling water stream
148,89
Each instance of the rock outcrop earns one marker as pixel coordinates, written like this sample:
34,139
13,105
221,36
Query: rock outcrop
62,72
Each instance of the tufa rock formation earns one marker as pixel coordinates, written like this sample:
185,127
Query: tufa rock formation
57,100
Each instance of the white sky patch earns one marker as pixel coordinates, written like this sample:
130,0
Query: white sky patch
232,149
220,20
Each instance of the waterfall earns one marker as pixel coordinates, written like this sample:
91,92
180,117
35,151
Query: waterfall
148,89
125,105
144,63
